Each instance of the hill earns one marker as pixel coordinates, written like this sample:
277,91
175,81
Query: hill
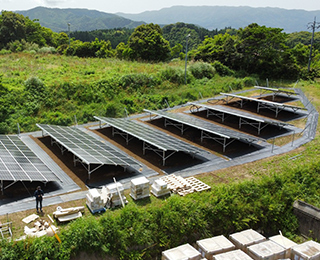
219,17
209,17
80,19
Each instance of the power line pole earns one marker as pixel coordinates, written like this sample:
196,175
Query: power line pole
186,60
314,25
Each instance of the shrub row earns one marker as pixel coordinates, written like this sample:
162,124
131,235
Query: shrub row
143,232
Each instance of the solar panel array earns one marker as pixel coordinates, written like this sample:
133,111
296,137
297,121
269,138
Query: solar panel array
152,136
19,163
205,125
87,148
238,113
270,103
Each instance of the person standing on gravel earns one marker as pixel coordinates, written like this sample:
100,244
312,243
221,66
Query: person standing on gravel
39,196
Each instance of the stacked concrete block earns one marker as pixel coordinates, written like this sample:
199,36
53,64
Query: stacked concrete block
232,255
286,243
140,188
246,238
184,252
215,245
114,192
94,201
309,250
267,250
160,188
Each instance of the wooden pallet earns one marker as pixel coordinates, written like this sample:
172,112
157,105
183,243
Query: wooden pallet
197,185
175,182
184,186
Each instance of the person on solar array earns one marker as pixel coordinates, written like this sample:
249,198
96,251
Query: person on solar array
39,196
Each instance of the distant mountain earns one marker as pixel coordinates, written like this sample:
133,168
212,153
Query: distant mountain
80,19
219,17
209,17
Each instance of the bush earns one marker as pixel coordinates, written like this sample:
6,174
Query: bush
222,69
311,75
35,88
202,70
51,50
4,52
236,84
137,81
23,45
174,75
249,81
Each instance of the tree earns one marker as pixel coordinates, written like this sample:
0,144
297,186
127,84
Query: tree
219,48
12,27
262,50
147,43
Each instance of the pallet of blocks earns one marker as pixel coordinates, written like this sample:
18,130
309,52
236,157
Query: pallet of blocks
94,201
160,188
111,195
176,183
184,186
140,188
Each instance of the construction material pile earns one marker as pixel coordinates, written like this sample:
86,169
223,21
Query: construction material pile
113,195
68,214
160,188
40,228
184,186
94,201
140,188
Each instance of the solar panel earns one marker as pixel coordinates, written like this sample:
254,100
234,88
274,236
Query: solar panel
205,126
152,136
238,113
85,147
267,102
276,90
19,163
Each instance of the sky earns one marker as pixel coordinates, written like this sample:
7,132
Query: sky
138,6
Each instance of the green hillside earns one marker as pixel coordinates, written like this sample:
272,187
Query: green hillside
79,19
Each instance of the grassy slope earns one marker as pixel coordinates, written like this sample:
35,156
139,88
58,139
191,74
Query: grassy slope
18,67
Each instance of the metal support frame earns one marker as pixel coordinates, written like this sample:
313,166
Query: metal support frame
257,125
241,101
125,135
179,126
61,147
220,115
219,140
268,104
76,159
276,92
160,152
223,116
276,109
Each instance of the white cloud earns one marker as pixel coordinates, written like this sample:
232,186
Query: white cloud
54,2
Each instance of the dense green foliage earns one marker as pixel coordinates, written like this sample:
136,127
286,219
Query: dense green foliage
46,88
16,27
142,230
115,36
258,50
147,43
